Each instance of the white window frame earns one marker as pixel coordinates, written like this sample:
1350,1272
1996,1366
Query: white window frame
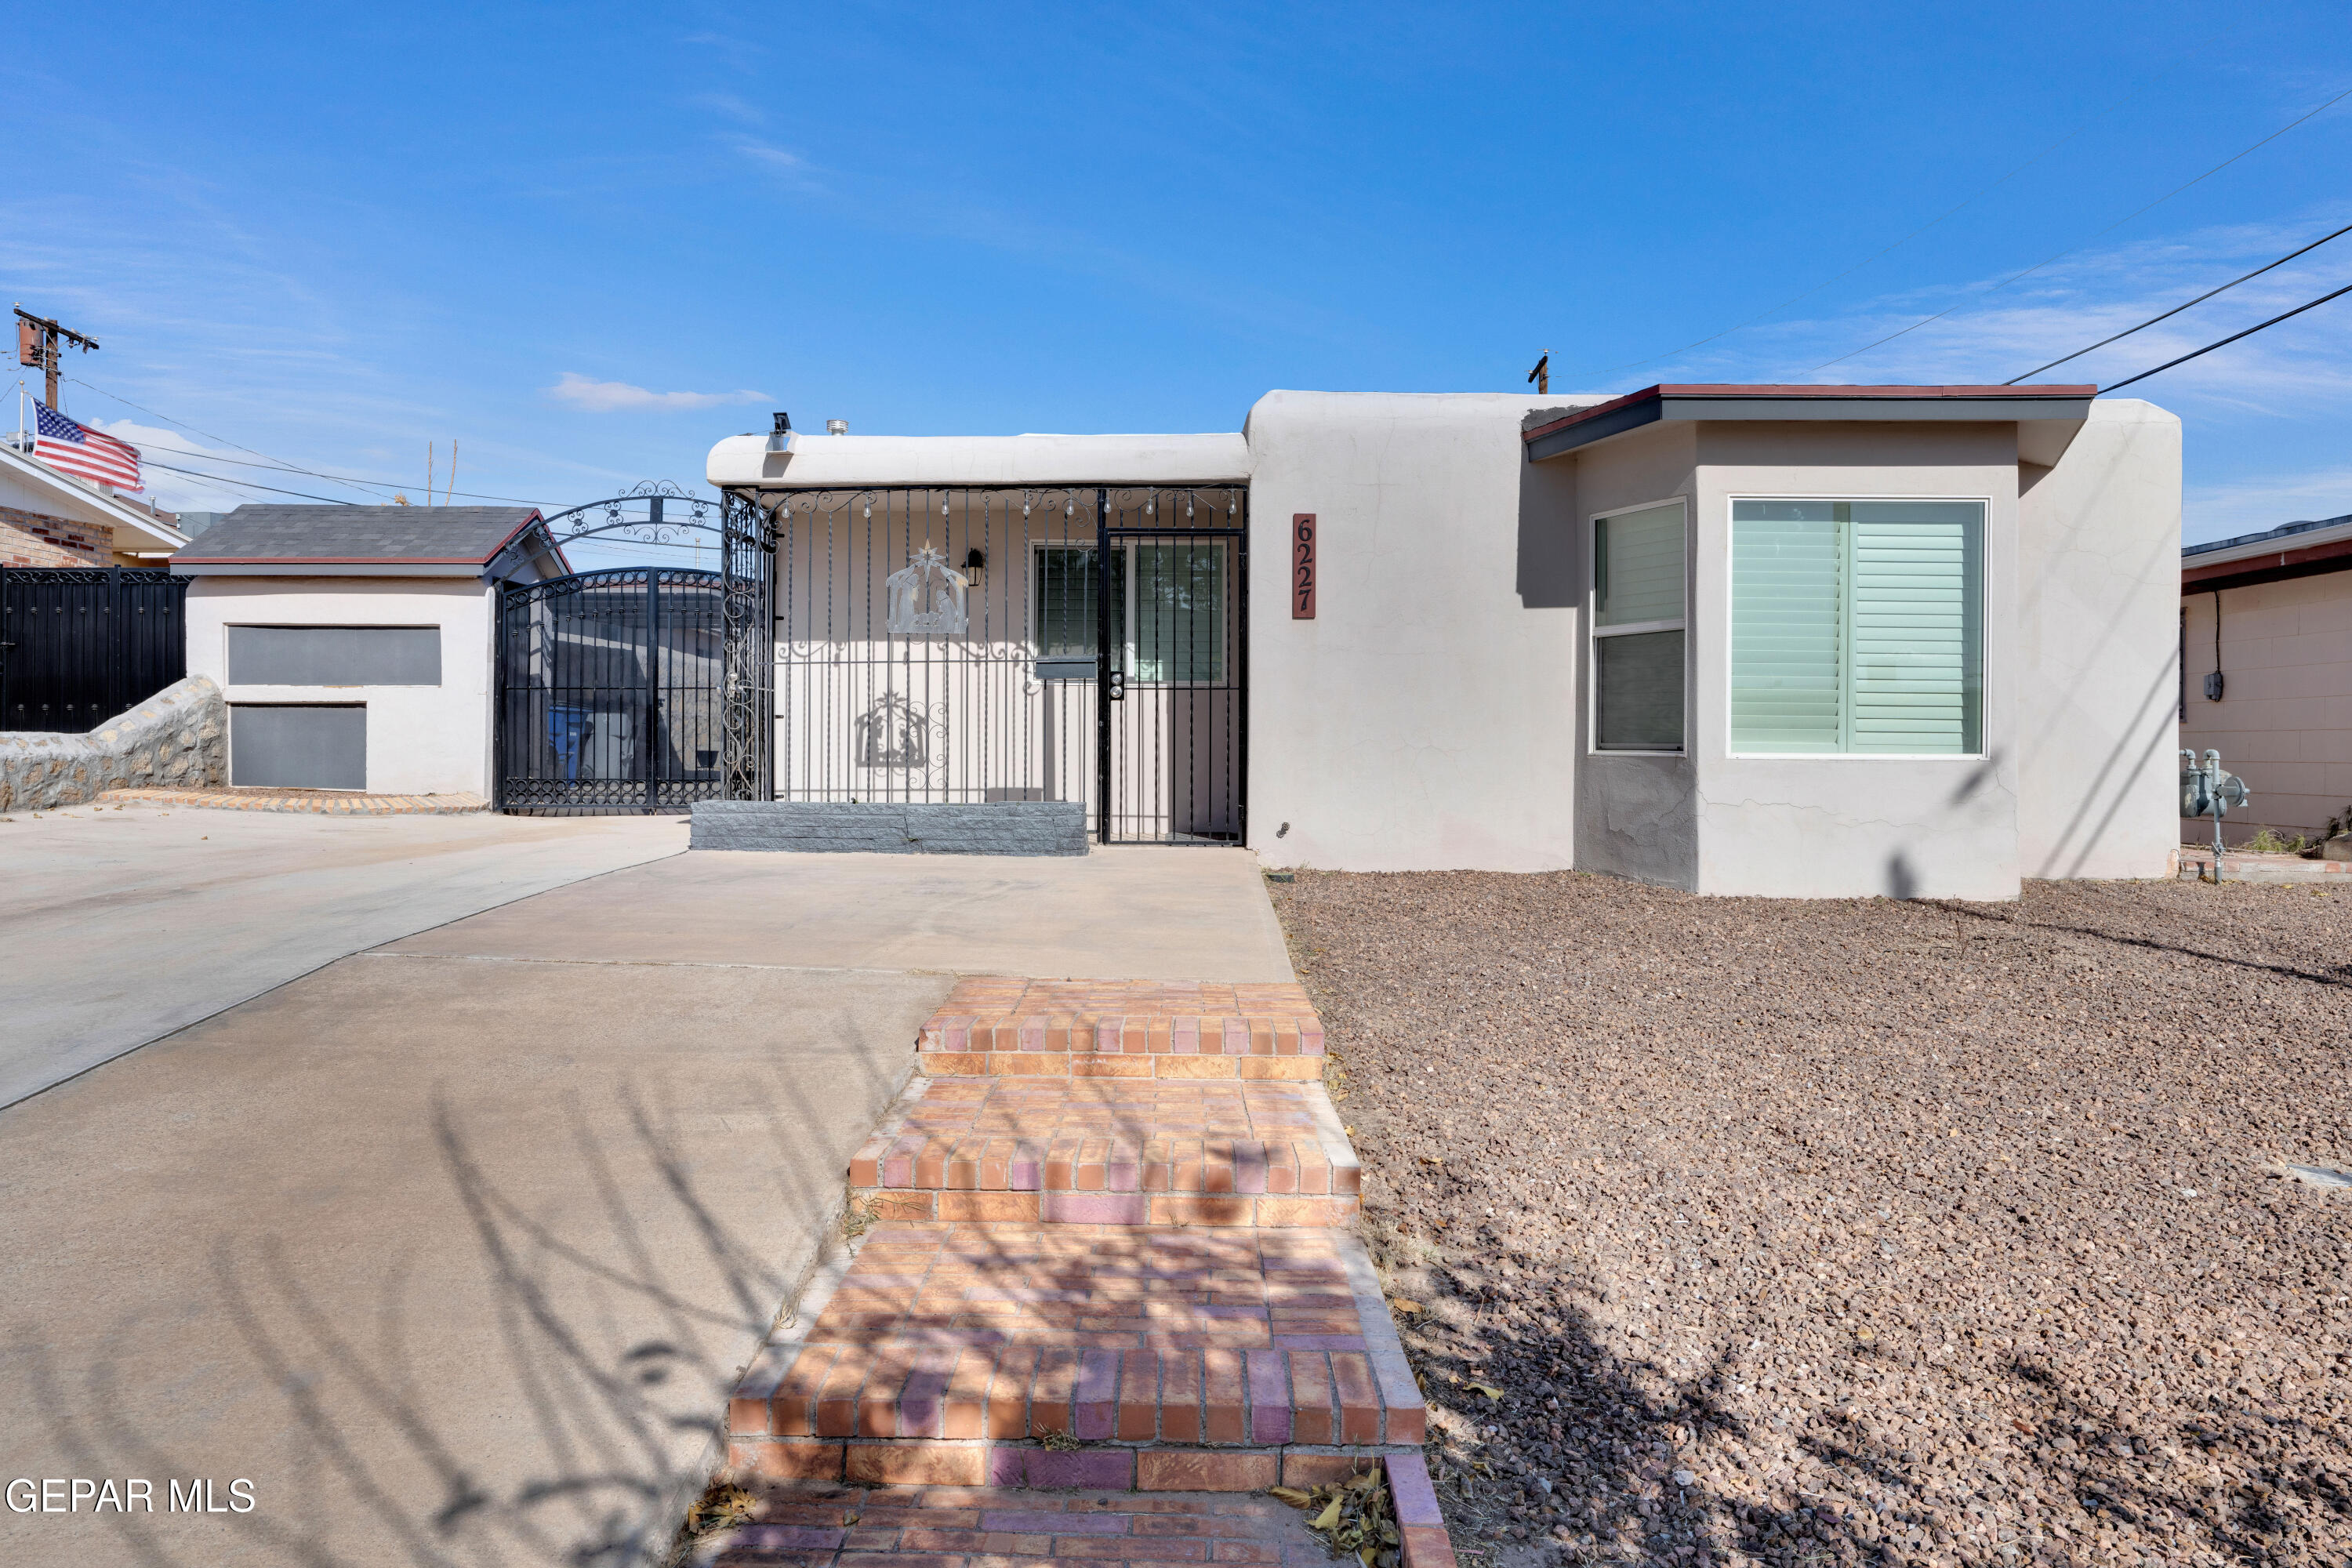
1984,620
1594,632
1128,651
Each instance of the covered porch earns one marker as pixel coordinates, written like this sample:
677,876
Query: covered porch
974,621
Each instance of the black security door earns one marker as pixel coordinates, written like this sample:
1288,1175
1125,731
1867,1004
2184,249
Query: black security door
80,645
610,693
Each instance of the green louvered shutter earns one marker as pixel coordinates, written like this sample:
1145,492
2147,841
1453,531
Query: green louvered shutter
1915,685
1788,626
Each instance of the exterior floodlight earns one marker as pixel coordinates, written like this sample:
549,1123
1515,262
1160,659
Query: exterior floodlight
836,426
779,439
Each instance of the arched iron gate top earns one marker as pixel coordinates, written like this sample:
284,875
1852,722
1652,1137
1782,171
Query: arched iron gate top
671,512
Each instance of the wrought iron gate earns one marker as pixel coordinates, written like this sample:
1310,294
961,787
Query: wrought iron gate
1084,643
610,693
80,645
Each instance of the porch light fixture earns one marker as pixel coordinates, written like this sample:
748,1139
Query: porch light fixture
779,439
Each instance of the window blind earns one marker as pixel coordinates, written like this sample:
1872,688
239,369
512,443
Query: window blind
1637,558
1856,627
1788,627
1917,685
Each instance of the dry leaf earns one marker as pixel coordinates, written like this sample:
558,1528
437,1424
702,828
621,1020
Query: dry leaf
1488,1389
1406,1306
1291,1495
1327,1518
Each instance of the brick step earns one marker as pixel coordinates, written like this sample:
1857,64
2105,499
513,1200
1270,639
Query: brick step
1109,1151
1002,1527
940,1353
1120,1028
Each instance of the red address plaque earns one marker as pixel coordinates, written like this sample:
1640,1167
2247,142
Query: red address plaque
1302,566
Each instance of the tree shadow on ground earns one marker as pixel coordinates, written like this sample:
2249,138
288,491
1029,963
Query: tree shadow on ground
1649,1461
623,1369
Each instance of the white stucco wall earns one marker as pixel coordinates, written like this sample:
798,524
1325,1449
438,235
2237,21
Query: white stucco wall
1844,826
2099,635
421,740
1424,719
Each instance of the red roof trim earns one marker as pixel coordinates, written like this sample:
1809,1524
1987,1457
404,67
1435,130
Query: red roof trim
1806,389
2336,550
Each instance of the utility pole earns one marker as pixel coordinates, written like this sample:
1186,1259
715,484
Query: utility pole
37,342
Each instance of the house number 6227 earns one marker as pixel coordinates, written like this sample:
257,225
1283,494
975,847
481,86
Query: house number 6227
1302,566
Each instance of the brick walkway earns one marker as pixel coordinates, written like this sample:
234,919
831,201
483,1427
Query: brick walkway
320,801
1141,1284
1139,1029
1109,1151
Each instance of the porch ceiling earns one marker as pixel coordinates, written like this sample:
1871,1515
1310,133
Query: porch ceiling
847,462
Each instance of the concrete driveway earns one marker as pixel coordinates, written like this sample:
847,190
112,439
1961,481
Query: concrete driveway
453,1248
119,925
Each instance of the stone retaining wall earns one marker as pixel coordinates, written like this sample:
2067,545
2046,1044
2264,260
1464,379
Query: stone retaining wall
179,736
996,828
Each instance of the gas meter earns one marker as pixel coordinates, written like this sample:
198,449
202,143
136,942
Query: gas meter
2207,791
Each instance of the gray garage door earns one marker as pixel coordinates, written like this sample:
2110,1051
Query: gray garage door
308,746
334,655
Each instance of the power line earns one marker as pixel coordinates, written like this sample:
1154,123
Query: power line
2232,338
2080,243
2200,298
248,485
317,474
278,463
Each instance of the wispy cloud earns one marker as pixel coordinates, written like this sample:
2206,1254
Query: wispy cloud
181,492
788,166
2088,298
731,107
2221,511
615,396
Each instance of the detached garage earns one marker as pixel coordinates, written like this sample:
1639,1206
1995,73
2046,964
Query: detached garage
354,644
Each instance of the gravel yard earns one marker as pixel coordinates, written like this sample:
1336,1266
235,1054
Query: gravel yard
1725,1229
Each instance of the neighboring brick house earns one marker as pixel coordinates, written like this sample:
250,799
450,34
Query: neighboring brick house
2266,671
49,518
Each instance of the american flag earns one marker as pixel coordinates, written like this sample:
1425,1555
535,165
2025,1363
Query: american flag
72,448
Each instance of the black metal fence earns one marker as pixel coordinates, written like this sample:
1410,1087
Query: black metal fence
1082,643
610,691
80,645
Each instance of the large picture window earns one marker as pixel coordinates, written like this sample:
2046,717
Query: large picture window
1638,629
1857,627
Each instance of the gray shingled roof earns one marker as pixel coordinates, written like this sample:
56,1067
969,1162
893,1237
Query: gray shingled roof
443,533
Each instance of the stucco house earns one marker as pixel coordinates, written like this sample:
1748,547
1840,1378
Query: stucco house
354,644
1789,641
49,518
2266,671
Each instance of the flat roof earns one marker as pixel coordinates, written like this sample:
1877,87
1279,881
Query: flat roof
2283,530
1799,401
2290,549
865,462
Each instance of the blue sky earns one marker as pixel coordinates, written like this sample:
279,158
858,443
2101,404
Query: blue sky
583,242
